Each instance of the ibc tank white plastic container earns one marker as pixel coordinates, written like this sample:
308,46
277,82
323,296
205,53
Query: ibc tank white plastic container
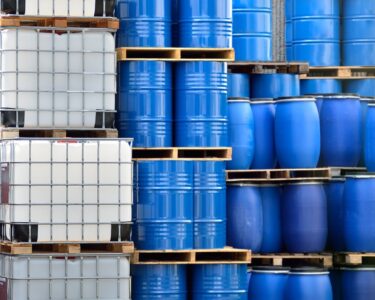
73,190
74,8
58,277
59,80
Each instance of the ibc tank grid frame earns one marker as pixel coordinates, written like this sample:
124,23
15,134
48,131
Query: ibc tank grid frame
91,79
19,217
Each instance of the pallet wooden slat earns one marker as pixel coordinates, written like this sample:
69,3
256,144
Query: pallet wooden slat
354,258
8,133
289,260
266,67
340,72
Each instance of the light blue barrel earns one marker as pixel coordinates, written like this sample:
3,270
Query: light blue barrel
358,33
244,217
289,30
359,209
155,282
164,205
297,133
274,85
264,129
358,283
238,85
205,23
144,23
241,134
362,87
209,205
201,108
316,32
144,106
271,206
321,86
219,281
369,144
252,30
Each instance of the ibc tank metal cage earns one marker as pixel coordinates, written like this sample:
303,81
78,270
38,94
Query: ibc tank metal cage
57,78
59,8
65,276
67,190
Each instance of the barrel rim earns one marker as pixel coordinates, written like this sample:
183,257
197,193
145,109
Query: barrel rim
270,184
367,98
307,183
243,184
283,100
362,176
338,179
238,100
344,96
372,105
262,101
270,270
308,271
361,268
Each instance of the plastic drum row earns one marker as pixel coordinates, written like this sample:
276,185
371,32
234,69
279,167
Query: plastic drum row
166,23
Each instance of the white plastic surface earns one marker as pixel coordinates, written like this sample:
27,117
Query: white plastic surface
74,8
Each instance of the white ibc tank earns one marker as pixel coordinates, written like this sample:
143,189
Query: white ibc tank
73,191
58,80
74,8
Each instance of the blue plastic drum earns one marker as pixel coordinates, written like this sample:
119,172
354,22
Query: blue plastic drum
370,138
238,85
335,275
201,108
304,217
297,133
274,85
209,205
358,283
321,86
362,87
244,217
365,102
241,134
289,29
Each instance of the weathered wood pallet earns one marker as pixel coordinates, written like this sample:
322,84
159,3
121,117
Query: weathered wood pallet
354,258
226,255
323,260
340,72
175,54
268,67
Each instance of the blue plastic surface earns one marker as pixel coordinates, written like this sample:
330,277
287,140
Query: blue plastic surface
274,85
267,285
238,85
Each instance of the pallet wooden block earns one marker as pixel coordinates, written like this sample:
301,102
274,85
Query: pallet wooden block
267,67
340,72
354,258
324,260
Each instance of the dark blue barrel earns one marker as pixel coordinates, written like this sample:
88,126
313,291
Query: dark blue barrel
362,87
244,217
175,17
335,203
155,282
365,102
321,86
370,139
165,205
241,134
205,23
359,210
297,133
274,85
358,283
316,32
144,23
248,280
271,204
288,30
264,128
252,30
308,284
335,275
209,205
341,139
216,281
358,36
201,109
304,217
238,85
268,283
144,106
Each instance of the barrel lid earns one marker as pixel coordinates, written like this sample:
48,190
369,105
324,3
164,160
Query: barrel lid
305,183
238,100
271,270
308,271
261,184
361,176
261,101
337,179
243,184
295,99
368,99
359,268
347,96
371,104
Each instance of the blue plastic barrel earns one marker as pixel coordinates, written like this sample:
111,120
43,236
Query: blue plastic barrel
201,109
274,85
155,282
365,102
241,134
144,106
335,203
219,281
268,283
358,35
308,284
165,205
316,32
297,133
209,204
175,18
304,217
244,217
358,283
264,127
248,280
205,23
335,275
289,30
271,204
359,209
252,30
238,85
362,87
321,86
144,23
370,138
340,122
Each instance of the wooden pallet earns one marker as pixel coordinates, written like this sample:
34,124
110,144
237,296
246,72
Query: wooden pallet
71,248
340,73
354,258
184,153
59,22
10,133
323,260
339,172
268,67
226,255
175,54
